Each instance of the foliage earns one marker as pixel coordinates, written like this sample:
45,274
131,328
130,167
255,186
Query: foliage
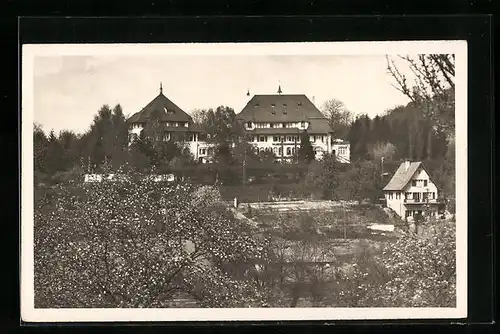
306,153
206,197
421,269
134,244
328,178
383,150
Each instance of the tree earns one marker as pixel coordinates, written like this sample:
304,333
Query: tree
328,178
433,89
306,152
383,150
338,116
55,154
40,146
136,243
359,181
421,269
219,124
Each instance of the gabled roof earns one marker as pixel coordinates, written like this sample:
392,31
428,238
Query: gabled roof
284,108
401,177
159,106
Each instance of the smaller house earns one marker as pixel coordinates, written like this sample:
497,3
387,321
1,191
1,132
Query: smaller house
412,192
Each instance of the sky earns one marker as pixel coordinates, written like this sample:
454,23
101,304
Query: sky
69,89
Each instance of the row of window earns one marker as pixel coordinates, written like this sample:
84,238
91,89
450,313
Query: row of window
205,151
419,183
273,105
342,150
278,151
289,139
287,125
172,124
416,196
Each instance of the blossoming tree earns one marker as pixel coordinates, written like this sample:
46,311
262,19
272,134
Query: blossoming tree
136,243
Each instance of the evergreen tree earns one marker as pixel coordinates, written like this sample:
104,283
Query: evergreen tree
55,154
40,146
306,152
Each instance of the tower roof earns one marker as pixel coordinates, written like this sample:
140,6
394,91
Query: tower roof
164,108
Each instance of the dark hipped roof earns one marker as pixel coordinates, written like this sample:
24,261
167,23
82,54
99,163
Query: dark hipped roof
401,177
271,108
158,106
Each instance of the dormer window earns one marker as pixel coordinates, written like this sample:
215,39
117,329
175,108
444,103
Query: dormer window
299,104
256,105
273,105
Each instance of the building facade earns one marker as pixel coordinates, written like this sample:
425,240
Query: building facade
175,124
411,191
273,123
276,123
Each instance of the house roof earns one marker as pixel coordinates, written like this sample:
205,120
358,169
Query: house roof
401,177
284,108
159,106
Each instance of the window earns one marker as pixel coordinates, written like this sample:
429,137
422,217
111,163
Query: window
302,124
425,183
414,183
280,151
283,125
271,125
288,151
255,138
203,151
433,195
249,124
275,138
293,150
282,139
191,137
407,195
288,139
299,104
416,197
275,150
262,138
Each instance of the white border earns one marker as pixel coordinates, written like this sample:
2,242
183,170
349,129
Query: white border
29,52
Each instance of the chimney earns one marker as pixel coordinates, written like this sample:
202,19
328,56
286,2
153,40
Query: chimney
407,164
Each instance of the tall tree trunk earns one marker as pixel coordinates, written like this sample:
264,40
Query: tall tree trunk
429,142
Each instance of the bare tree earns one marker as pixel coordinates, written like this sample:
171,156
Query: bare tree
338,116
433,89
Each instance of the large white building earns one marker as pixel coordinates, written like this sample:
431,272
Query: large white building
176,124
277,122
411,191
273,123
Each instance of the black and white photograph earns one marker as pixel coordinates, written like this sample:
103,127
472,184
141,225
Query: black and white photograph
244,181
